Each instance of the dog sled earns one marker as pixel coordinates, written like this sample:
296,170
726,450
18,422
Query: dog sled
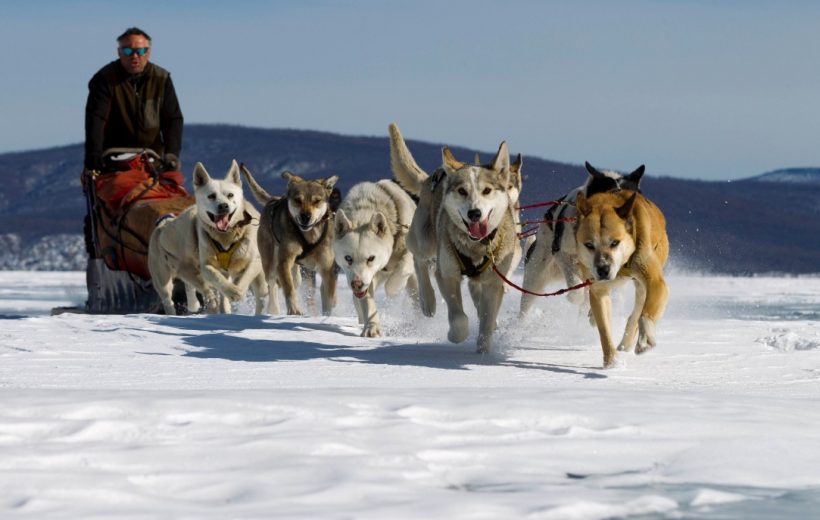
125,202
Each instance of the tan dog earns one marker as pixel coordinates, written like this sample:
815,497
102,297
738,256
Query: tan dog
295,230
622,235
211,246
464,224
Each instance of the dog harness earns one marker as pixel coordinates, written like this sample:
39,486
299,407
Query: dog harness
223,256
466,265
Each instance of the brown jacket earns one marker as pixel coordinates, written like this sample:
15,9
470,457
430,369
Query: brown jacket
134,111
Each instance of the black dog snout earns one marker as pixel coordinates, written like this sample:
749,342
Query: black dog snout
222,207
304,218
603,271
474,215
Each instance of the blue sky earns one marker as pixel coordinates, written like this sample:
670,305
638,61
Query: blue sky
695,89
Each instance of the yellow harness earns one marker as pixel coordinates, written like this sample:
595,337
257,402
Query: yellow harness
223,256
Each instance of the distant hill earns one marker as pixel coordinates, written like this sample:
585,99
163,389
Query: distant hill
762,224
793,175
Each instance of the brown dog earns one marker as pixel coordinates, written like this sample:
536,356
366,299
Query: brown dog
622,235
295,230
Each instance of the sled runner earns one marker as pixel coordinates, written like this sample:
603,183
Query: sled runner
125,203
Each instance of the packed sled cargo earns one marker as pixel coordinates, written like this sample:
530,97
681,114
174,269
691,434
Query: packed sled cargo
134,192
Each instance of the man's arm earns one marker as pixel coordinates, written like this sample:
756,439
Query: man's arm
171,120
96,114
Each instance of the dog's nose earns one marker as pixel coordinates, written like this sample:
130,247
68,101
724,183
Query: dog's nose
603,271
304,218
474,215
356,285
222,207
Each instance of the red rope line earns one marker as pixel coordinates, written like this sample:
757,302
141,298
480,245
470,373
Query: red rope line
547,203
526,291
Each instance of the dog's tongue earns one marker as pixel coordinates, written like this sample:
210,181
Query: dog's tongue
479,230
222,221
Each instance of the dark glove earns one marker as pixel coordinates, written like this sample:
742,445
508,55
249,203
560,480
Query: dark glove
170,162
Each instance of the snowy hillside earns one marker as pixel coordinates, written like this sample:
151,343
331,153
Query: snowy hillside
792,176
144,416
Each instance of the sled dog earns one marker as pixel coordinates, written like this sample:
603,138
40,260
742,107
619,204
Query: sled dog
370,246
211,247
464,224
622,235
295,230
554,253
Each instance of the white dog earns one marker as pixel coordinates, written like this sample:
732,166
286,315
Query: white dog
369,245
211,246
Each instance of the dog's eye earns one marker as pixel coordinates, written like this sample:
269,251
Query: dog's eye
589,245
487,191
370,259
462,192
317,200
349,260
298,202
230,195
615,243
212,196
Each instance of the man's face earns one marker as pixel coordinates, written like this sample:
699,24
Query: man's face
134,63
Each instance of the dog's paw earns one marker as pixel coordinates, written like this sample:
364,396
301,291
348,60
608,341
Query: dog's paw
233,293
625,348
372,331
294,311
458,329
646,335
613,361
484,343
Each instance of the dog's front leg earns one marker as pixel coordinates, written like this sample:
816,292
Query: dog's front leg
601,304
328,289
223,285
631,331
657,294
372,327
449,283
491,295
284,272
427,296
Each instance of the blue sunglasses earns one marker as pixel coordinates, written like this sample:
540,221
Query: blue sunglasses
140,51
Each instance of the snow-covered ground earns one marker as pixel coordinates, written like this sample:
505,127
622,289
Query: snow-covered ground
200,417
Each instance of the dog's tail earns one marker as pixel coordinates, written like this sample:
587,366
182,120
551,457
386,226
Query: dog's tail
259,193
408,174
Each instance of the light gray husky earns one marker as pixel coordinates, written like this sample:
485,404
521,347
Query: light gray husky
465,225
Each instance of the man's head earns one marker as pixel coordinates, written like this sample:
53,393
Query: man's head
134,50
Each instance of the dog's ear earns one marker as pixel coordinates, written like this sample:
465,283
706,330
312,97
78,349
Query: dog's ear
582,205
595,172
516,166
233,174
477,159
290,177
449,161
342,225
636,175
201,177
329,182
378,224
626,208
502,158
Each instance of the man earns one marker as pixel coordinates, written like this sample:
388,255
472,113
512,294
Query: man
132,103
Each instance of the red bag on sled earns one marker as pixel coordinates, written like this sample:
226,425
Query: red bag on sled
131,202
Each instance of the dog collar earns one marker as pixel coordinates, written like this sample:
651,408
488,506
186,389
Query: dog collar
466,265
